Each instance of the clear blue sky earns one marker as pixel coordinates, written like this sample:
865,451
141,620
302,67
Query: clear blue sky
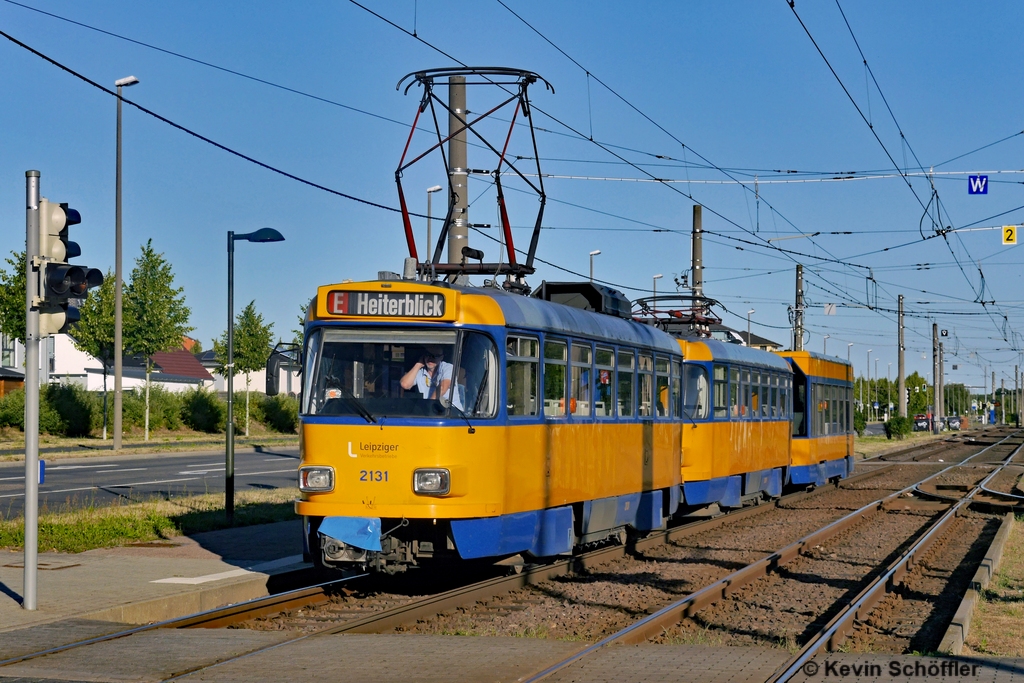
740,83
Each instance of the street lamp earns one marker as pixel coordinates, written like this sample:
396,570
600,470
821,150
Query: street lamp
748,324
848,347
261,235
888,389
430,252
592,255
654,290
876,389
824,344
118,312
867,373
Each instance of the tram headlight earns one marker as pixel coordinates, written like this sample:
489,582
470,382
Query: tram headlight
316,479
432,482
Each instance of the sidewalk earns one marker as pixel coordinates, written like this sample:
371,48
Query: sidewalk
152,581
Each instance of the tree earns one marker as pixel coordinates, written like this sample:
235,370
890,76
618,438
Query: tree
12,297
94,332
297,334
155,314
252,349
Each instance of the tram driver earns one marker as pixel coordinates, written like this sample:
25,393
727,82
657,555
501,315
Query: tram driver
432,376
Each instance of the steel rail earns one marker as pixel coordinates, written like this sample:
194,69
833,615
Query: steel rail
258,606
223,616
649,626
832,635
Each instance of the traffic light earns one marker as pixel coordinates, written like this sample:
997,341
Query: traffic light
60,281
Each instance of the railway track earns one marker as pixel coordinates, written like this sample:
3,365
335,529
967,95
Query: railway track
832,633
367,619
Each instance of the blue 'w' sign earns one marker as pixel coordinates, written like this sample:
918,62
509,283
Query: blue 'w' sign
977,184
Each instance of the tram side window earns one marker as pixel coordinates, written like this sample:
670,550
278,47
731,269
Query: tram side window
605,388
676,391
311,356
784,397
734,393
661,395
745,395
582,378
626,383
776,412
721,380
521,369
477,376
695,391
765,382
646,394
800,409
554,378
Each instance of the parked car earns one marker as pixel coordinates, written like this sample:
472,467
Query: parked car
953,422
921,423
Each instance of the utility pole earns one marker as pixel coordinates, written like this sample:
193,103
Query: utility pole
32,293
798,311
900,369
941,400
458,232
935,377
993,393
698,253
1002,404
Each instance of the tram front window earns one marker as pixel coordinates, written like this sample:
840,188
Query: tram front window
402,373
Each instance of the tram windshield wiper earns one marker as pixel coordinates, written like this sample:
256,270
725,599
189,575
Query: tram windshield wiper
462,414
357,405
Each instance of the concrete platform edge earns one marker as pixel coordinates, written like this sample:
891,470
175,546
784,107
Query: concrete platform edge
956,633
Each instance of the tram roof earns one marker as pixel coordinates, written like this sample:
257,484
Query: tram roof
531,313
744,354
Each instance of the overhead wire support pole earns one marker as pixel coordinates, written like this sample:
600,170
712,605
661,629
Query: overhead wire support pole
901,367
32,182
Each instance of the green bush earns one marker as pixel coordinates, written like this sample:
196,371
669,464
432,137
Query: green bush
76,411
133,408
164,408
12,413
281,413
203,411
898,427
859,423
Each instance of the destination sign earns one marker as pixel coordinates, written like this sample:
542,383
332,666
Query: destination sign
386,304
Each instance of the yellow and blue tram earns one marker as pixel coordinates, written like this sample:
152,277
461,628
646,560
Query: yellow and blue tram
822,444
447,423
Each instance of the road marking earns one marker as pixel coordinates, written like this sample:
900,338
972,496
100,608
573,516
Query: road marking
263,566
133,469
76,467
12,478
253,474
143,483
214,469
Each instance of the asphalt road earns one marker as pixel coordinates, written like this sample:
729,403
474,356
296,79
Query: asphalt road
80,482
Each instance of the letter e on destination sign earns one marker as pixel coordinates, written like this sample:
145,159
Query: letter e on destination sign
383,304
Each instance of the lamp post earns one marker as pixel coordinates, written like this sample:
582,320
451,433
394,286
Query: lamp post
748,324
592,255
867,379
261,235
118,312
654,291
888,389
848,347
824,344
430,191
876,388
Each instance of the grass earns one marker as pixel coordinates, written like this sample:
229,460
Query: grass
867,446
997,627
74,531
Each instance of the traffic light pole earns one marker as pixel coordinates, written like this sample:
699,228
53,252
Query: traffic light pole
31,388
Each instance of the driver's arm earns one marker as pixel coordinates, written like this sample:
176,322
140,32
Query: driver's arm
409,379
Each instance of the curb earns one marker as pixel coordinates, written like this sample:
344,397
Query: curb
956,633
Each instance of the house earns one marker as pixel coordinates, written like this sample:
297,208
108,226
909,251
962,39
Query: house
727,334
288,377
173,371
10,379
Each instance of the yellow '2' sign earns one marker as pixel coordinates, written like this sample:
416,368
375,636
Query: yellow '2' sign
1009,234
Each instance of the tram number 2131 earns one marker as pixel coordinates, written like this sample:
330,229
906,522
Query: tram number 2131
373,475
